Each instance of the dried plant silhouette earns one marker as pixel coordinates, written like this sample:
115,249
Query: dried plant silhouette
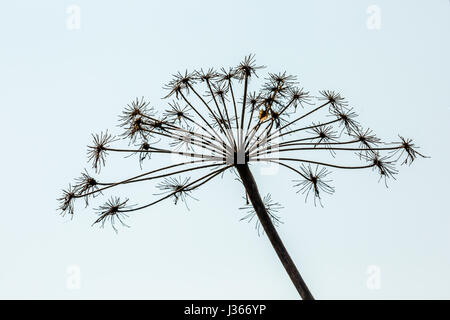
214,123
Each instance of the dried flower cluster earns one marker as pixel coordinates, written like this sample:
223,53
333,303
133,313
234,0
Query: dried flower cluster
214,122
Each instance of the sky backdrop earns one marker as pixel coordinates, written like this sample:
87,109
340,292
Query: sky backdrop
63,78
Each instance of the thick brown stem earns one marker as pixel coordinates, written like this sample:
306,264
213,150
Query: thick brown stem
266,222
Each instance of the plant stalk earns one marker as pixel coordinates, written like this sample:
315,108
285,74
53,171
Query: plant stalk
264,218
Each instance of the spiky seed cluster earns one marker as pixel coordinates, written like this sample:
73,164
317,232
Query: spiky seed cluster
143,152
216,120
279,119
181,82
219,91
253,100
272,209
367,140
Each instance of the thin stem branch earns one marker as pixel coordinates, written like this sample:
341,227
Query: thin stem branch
332,149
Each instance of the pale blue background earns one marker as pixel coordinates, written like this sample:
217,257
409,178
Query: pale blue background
57,86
